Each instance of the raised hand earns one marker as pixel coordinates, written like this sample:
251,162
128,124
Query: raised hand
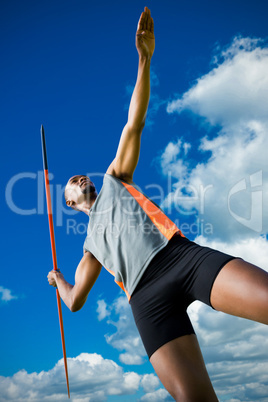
145,40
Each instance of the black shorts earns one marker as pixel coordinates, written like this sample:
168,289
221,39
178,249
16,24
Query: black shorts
179,274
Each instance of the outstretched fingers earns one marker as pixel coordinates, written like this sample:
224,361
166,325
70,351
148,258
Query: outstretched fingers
141,23
151,25
146,22
149,20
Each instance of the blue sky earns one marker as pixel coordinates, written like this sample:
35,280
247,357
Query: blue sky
71,67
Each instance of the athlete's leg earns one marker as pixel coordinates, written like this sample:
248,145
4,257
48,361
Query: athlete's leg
241,289
181,369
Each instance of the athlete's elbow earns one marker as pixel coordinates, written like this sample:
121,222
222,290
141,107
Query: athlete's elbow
141,125
136,127
74,309
76,305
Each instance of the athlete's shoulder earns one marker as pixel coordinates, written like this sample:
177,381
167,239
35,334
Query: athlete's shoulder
112,172
89,255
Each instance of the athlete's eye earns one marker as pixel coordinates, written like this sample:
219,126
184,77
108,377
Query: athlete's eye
74,180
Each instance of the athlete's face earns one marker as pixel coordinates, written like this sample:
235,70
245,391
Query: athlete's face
80,192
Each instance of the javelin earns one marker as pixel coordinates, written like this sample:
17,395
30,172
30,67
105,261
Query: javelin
53,248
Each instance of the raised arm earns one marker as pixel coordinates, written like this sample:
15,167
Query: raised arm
128,151
75,296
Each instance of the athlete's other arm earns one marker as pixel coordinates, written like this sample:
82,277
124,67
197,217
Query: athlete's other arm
128,151
75,296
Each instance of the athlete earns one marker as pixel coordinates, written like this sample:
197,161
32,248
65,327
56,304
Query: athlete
160,270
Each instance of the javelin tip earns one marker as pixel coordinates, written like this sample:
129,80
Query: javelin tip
44,147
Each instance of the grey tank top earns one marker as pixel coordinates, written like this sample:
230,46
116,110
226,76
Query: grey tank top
126,230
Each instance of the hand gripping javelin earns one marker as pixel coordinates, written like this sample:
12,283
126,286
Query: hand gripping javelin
53,248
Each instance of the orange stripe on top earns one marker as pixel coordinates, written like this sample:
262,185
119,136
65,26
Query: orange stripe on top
159,219
123,288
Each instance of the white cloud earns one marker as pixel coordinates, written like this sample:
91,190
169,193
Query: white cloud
235,89
254,250
5,294
169,159
102,310
230,189
160,395
126,338
92,378
241,381
150,382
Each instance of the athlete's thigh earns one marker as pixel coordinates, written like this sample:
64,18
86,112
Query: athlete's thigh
241,289
181,369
